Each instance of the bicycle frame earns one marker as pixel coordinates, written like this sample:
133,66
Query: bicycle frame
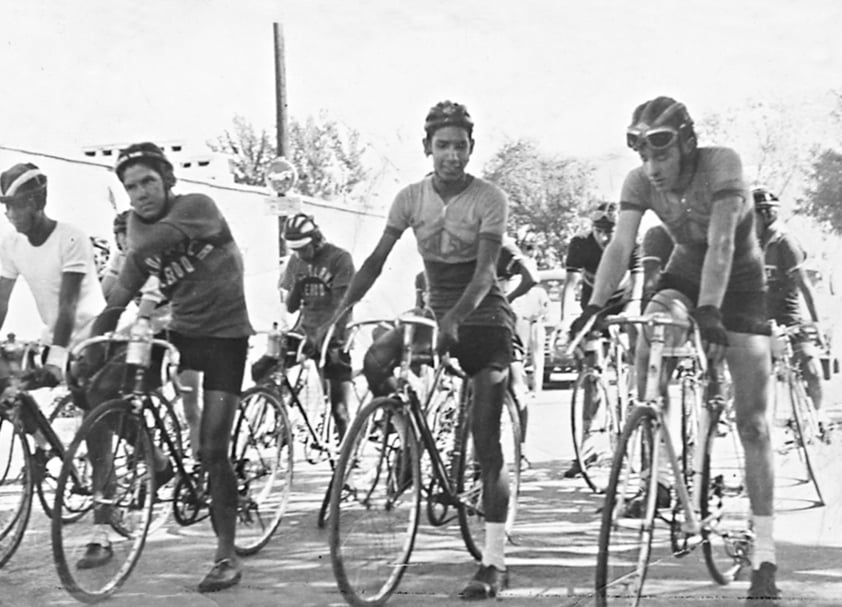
658,351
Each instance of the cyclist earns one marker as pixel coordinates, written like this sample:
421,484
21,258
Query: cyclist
459,221
785,276
583,256
716,270
315,280
184,240
56,260
656,249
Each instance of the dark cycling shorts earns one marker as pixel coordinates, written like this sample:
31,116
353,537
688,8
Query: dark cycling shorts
742,311
221,359
481,347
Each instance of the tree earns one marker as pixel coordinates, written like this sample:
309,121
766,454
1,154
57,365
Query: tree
824,191
328,156
773,140
547,195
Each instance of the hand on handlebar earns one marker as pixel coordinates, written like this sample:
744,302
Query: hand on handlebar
577,325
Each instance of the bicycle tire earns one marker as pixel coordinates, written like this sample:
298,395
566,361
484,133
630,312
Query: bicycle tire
593,446
471,508
262,456
723,501
131,473
375,503
619,576
806,434
172,427
15,487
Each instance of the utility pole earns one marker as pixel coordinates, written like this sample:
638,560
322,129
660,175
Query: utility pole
280,117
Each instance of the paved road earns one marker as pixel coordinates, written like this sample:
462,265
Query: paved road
551,558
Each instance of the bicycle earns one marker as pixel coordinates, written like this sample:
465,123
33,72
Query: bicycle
599,401
290,384
794,408
378,480
138,424
711,508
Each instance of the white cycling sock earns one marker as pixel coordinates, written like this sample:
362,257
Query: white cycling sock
764,541
495,540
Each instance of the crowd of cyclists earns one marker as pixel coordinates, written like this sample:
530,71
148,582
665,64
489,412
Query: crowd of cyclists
719,252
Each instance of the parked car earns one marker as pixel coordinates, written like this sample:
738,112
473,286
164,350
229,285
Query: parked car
558,368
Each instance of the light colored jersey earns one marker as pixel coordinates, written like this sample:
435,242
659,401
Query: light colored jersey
718,175
448,238
67,249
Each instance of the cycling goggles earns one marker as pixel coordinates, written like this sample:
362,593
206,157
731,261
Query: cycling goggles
658,138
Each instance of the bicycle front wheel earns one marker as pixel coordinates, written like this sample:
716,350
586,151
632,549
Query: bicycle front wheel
375,503
628,513
95,554
15,487
472,503
261,452
594,427
723,502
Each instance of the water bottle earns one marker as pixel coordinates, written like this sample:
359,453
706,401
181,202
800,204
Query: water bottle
139,352
273,342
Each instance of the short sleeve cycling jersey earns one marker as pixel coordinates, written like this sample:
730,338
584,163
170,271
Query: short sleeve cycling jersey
198,265
448,238
783,256
322,282
584,255
718,174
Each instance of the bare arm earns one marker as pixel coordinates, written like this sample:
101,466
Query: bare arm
481,282
615,258
364,278
807,292
528,279
635,303
68,300
716,267
572,280
6,286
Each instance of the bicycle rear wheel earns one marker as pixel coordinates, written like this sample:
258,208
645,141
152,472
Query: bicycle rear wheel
123,507
471,508
261,452
375,503
15,487
723,501
595,428
625,537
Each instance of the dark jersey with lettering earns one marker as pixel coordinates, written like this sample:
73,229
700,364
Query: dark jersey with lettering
322,282
783,256
198,265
